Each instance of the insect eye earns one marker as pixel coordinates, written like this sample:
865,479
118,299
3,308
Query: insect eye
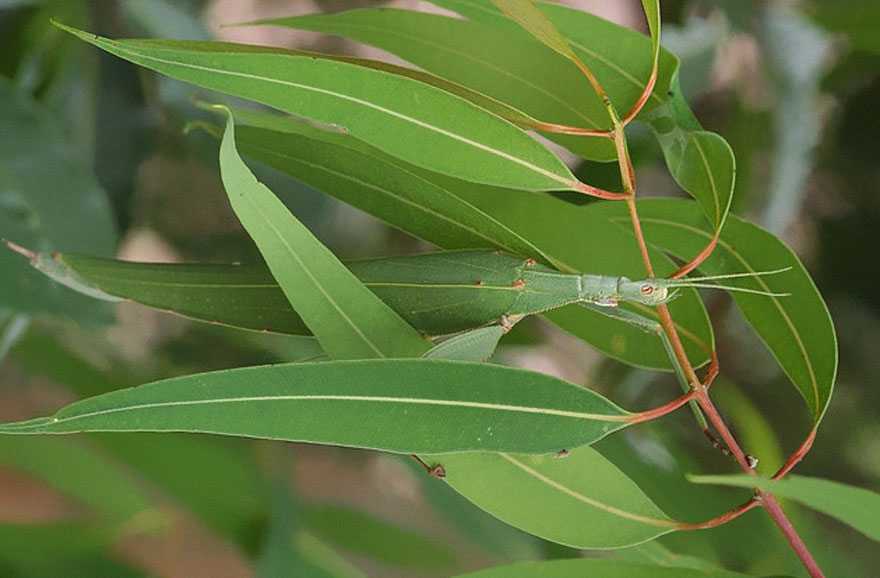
647,289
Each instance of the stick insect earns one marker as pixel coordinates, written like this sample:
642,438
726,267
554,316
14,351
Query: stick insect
440,293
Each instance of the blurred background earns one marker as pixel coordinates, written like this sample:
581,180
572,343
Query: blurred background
94,159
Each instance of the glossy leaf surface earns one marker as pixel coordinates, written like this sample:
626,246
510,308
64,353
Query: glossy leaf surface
582,500
395,405
797,329
858,507
406,118
348,320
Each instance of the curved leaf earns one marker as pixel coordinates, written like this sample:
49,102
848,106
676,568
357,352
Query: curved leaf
508,65
582,500
858,507
348,320
797,329
406,118
381,185
597,569
407,406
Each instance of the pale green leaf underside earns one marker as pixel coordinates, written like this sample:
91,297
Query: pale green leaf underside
406,118
858,507
407,406
582,500
348,320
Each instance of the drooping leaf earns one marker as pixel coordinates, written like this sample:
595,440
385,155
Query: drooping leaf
581,500
348,320
369,536
595,568
858,507
797,328
406,118
399,405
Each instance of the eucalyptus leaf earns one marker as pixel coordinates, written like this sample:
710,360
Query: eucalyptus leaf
581,500
348,320
406,406
505,63
406,118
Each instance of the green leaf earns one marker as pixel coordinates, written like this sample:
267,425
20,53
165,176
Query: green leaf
858,507
348,320
596,569
507,64
406,406
47,192
476,345
548,224
406,118
535,22
364,177
581,500
797,329
382,541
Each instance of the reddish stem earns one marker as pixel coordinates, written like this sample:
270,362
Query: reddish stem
661,410
573,130
797,456
597,192
722,519
773,508
643,98
698,260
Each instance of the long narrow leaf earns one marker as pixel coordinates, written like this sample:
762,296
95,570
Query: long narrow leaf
348,320
598,569
407,406
409,119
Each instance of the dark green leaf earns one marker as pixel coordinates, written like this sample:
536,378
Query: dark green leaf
505,63
348,320
394,405
404,117
858,507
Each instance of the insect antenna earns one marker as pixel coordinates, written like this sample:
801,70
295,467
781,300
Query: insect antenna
703,282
